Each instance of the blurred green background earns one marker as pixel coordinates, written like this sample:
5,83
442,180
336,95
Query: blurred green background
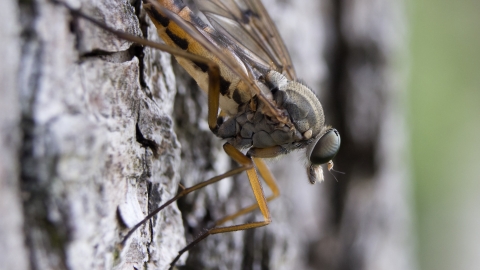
445,120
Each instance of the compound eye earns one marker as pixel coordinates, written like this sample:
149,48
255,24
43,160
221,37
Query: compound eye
326,148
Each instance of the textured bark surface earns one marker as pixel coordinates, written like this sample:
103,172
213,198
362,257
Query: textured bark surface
75,172
12,247
84,176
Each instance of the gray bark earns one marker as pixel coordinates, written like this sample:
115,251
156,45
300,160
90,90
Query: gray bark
83,176
76,176
12,247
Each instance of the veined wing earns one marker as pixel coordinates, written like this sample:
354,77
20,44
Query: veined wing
244,63
248,22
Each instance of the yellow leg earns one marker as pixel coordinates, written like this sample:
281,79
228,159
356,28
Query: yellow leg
246,165
212,67
271,183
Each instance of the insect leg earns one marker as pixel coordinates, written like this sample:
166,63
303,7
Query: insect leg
271,183
212,67
248,165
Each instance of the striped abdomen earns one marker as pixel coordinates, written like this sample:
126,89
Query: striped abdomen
233,92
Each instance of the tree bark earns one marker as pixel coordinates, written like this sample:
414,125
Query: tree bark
89,105
12,247
97,132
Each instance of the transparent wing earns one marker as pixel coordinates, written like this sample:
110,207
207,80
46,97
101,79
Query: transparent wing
248,23
229,53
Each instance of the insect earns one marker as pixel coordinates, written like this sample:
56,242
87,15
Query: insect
254,101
